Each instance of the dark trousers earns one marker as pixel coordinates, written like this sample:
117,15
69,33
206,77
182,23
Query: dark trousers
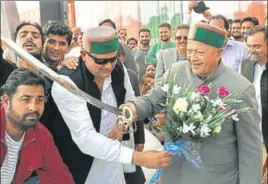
135,178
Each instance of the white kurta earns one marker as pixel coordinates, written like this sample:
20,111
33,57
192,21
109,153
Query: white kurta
76,115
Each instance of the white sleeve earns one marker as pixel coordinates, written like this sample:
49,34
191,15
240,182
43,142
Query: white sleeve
187,18
129,90
76,116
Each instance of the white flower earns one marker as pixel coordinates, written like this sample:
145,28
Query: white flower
165,88
180,129
217,129
209,117
190,128
190,111
194,96
207,98
235,117
218,102
180,105
196,107
204,131
199,115
176,90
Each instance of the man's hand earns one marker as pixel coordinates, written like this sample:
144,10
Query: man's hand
70,62
117,132
207,14
152,159
139,147
192,5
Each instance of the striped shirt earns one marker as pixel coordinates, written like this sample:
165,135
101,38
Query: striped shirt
10,162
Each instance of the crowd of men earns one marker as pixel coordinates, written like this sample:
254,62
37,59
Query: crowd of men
49,135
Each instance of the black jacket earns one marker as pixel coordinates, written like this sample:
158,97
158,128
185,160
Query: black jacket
247,70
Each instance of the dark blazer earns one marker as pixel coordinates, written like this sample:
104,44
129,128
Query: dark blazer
247,70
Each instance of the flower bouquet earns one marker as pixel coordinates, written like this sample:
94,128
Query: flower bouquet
192,117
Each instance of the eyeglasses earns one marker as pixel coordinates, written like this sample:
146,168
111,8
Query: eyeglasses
180,37
103,61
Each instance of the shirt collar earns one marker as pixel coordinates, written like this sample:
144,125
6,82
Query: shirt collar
229,43
180,58
260,68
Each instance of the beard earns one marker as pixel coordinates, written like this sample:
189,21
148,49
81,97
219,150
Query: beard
255,58
145,42
22,122
237,36
165,38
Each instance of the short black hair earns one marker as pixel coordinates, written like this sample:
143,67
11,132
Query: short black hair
29,23
129,39
121,30
22,76
182,26
204,21
236,21
57,28
165,25
108,21
144,30
253,20
217,17
230,21
257,29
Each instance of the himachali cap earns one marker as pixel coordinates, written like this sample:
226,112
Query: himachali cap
208,34
100,40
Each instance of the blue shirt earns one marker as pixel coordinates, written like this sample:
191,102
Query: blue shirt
234,53
180,59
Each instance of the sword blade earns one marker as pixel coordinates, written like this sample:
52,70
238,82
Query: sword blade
46,71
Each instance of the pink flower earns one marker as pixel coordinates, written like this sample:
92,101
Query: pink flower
204,89
223,92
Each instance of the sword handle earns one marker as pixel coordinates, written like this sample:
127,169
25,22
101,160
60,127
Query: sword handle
127,118
127,113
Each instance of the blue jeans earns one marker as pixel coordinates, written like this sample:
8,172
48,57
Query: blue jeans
32,180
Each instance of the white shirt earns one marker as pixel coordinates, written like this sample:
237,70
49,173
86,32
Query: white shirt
76,115
11,158
258,70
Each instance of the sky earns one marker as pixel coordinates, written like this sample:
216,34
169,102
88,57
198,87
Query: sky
92,12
